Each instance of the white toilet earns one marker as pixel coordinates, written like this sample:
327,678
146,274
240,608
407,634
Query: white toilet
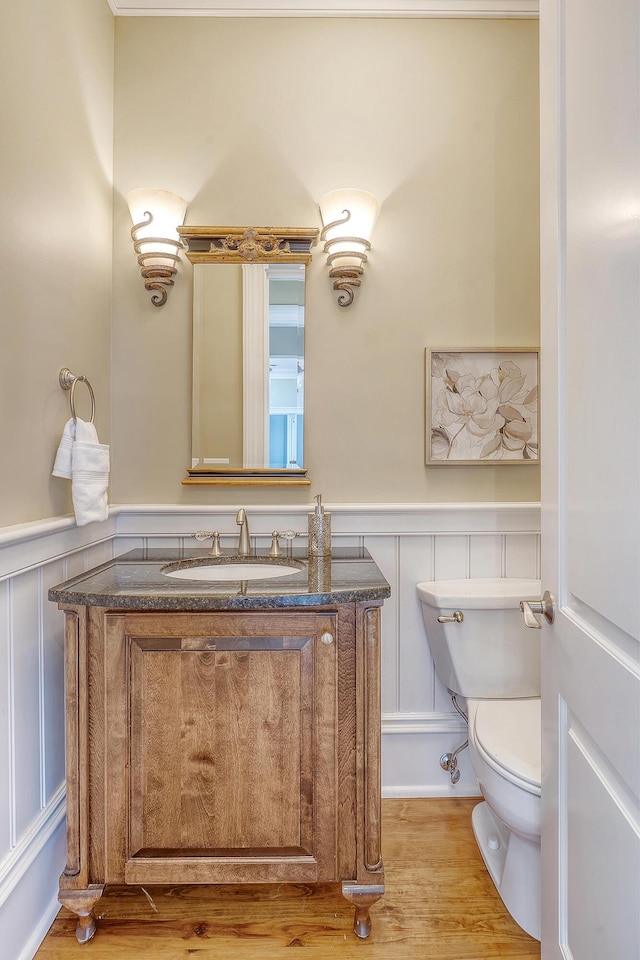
489,657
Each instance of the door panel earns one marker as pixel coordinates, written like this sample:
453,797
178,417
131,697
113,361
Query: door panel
229,766
601,180
601,685
601,877
590,348
236,717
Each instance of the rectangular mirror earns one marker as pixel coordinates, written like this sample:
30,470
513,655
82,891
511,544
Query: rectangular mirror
248,358
248,367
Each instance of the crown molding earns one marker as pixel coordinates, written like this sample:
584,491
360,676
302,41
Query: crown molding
417,9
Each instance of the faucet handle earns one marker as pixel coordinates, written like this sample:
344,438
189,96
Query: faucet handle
274,550
216,549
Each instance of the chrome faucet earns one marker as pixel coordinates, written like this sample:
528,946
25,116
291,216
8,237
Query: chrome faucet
244,543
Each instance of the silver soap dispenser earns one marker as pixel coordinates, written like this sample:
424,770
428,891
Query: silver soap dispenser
319,530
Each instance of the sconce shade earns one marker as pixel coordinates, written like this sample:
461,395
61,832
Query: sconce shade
348,216
156,216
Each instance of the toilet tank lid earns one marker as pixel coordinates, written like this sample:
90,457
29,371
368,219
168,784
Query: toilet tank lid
490,594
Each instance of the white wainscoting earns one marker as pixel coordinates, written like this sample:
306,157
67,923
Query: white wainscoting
34,557
409,543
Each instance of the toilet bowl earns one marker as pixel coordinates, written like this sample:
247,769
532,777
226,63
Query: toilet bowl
505,748
483,652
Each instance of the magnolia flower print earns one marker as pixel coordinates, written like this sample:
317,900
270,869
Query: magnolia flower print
480,414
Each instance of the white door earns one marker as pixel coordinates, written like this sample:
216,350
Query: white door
590,138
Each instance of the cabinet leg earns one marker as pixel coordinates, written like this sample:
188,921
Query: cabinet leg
362,896
82,902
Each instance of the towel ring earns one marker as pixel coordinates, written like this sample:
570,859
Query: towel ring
68,381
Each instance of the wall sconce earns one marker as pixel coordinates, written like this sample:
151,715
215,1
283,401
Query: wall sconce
156,215
348,216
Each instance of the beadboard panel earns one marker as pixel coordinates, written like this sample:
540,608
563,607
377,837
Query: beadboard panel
52,681
523,557
28,732
415,666
386,552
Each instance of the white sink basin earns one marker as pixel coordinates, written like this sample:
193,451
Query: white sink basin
223,570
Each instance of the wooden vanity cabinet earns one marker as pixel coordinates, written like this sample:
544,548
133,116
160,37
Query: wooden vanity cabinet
223,747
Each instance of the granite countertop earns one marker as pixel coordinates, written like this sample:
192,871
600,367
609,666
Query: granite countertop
135,581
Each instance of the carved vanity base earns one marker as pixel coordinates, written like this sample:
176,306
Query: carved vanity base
223,747
82,902
362,896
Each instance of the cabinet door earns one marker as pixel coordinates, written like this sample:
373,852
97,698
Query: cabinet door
221,747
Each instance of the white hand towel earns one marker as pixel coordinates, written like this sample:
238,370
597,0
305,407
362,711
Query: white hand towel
62,465
85,461
89,477
73,430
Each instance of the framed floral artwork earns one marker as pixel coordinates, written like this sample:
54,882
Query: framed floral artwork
482,406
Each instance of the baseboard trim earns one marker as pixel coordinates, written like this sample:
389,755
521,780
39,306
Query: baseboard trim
420,723
414,791
30,948
16,864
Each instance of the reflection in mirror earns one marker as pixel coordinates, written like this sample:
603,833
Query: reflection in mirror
248,370
286,367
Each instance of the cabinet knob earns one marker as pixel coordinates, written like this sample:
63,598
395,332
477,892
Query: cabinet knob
327,637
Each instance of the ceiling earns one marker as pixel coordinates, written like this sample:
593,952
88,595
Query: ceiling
527,9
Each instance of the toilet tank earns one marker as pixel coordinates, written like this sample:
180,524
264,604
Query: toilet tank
491,654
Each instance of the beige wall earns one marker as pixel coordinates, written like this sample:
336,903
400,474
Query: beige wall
56,118
252,121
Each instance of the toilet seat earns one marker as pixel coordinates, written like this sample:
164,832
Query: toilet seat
507,734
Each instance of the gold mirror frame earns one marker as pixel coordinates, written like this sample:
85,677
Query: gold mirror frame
274,245
249,244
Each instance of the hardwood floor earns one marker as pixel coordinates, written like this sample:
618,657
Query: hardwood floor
439,904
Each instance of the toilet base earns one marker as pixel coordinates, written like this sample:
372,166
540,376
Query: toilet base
513,863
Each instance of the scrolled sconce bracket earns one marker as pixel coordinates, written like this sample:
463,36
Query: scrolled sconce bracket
359,254
158,277
156,215
344,280
347,247
336,223
346,277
